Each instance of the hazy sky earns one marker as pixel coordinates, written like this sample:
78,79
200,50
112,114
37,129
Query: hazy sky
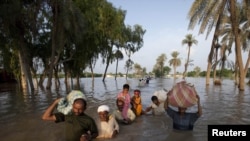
166,25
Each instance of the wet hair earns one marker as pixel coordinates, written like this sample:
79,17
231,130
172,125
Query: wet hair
81,100
125,86
153,98
136,90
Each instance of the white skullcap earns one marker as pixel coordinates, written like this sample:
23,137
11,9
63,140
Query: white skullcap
103,108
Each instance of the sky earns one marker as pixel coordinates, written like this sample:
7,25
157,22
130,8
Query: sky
166,24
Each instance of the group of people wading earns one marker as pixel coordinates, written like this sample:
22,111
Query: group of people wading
80,126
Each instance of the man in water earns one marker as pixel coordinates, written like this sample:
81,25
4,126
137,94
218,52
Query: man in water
107,124
79,126
118,113
156,106
181,119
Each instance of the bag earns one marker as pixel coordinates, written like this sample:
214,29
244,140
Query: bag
65,104
161,95
182,94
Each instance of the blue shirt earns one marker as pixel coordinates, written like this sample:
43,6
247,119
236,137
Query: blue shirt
184,122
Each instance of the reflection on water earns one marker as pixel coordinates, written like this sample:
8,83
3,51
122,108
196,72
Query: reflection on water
20,114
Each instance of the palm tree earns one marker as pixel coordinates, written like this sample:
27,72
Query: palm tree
189,40
228,37
217,47
209,13
119,56
175,61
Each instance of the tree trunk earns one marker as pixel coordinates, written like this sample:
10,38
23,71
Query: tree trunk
214,69
78,81
236,72
247,64
106,69
26,78
127,74
92,72
174,72
186,64
57,41
57,81
209,66
235,27
24,83
54,43
210,56
116,69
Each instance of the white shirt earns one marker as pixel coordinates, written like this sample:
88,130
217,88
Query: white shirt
106,129
118,115
158,110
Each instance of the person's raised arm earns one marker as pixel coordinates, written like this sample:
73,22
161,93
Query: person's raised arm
199,106
48,114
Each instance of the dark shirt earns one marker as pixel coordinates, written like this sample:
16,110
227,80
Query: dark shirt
182,122
76,125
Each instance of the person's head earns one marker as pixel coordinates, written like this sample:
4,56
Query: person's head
125,88
154,99
182,110
103,112
79,106
120,104
137,93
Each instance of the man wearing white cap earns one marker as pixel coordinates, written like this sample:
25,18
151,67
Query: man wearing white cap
107,124
79,126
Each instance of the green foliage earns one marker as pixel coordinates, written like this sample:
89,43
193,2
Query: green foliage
226,73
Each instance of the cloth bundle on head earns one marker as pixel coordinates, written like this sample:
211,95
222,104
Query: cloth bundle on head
65,104
182,94
103,108
161,95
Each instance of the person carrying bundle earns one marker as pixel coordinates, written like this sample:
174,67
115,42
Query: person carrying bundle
183,96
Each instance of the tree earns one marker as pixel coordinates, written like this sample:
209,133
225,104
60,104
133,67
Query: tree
166,70
158,67
18,26
211,12
217,47
189,40
197,71
133,42
119,56
175,61
111,25
128,67
138,69
207,14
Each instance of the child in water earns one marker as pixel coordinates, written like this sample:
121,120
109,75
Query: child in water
125,96
136,103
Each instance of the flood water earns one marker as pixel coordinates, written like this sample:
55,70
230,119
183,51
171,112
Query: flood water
20,114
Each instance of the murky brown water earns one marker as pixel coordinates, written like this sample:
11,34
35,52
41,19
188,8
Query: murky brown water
20,114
